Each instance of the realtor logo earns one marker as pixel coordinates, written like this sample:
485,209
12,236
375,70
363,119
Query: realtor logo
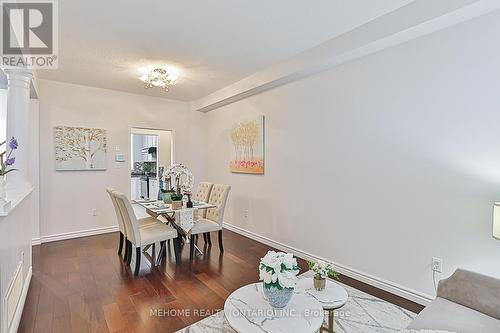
29,33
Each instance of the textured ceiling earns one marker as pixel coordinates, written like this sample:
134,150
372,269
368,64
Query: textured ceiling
213,43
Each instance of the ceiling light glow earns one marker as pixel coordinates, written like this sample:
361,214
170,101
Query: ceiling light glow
161,77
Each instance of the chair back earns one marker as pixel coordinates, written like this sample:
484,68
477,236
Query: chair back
218,197
118,213
131,224
203,194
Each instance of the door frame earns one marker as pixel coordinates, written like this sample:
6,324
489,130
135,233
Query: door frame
129,145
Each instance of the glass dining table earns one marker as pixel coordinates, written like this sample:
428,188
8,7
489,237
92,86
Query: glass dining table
157,208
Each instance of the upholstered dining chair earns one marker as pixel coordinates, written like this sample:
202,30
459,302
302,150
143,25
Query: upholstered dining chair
121,226
141,236
202,194
143,222
214,216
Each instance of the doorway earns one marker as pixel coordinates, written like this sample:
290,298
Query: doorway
151,152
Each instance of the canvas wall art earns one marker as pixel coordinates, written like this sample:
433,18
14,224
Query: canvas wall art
79,148
247,146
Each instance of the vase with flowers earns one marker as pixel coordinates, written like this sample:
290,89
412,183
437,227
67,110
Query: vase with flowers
278,271
322,270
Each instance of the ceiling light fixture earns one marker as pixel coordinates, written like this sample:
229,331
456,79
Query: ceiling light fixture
163,78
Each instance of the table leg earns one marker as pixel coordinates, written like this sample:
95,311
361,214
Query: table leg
198,249
328,328
146,248
161,253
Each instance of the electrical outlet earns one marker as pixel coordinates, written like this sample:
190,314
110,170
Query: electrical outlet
437,265
94,212
245,213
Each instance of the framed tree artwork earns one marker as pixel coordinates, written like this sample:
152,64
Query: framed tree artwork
79,148
247,146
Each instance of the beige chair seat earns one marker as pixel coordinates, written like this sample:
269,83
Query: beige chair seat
148,221
156,233
204,225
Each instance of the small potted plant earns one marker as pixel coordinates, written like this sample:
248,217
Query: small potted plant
278,271
176,201
321,270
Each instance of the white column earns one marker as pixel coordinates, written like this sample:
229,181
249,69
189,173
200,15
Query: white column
19,119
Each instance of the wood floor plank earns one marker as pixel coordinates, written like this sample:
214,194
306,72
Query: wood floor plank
114,319
213,285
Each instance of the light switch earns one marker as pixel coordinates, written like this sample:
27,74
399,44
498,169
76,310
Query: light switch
120,157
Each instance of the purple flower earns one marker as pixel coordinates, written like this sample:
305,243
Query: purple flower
13,143
10,161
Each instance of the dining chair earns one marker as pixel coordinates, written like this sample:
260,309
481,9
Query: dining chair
121,226
214,216
143,222
142,236
202,194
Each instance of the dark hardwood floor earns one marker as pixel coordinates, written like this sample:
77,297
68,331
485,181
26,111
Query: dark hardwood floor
82,285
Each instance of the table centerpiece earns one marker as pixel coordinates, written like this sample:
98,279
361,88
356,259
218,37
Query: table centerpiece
178,180
278,271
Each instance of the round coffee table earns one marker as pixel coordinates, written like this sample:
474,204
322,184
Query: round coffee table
247,311
333,297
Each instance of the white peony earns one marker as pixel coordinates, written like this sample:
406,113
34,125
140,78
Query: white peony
267,276
272,260
287,279
289,261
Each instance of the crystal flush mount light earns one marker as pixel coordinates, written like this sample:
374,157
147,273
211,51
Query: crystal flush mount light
161,77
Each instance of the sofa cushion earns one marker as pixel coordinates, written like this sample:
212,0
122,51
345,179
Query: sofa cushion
444,315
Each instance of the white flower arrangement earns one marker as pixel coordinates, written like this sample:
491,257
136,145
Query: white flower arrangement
323,269
278,269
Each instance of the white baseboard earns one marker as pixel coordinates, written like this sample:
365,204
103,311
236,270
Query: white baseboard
73,234
16,320
388,286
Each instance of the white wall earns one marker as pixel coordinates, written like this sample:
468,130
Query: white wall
67,198
382,163
165,148
15,232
